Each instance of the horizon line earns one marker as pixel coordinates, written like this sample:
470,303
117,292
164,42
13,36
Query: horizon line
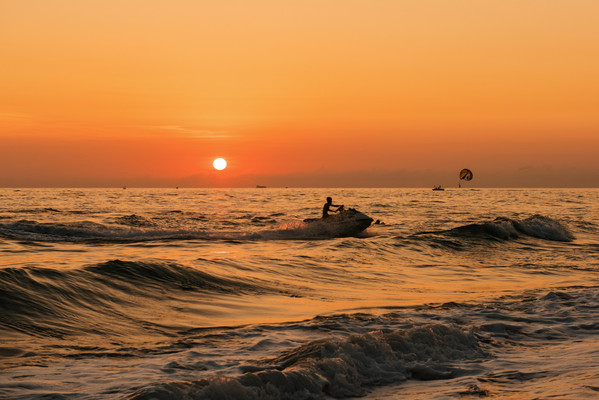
294,187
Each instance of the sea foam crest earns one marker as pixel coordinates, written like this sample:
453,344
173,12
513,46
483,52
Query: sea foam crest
537,226
338,368
545,228
83,231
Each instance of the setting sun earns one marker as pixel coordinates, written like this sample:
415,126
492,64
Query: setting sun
219,164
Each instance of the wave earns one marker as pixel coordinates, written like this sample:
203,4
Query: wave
100,298
339,367
463,335
134,228
46,210
166,276
537,226
87,231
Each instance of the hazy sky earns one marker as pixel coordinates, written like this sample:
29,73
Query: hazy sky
299,93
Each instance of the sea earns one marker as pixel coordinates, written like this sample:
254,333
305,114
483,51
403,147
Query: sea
180,293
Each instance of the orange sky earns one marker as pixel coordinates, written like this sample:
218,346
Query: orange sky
299,93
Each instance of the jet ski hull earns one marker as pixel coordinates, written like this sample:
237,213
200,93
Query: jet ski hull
344,223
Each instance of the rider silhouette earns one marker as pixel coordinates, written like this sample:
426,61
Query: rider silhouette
327,207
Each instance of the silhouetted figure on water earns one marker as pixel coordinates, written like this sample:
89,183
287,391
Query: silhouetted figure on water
327,207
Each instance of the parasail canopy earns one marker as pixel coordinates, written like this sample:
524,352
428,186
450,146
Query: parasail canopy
466,174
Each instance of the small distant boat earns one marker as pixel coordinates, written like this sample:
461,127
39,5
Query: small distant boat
439,187
260,187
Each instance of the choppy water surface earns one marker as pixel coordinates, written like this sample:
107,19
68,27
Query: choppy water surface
209,294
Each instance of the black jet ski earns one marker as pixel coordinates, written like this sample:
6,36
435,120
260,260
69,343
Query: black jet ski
345,222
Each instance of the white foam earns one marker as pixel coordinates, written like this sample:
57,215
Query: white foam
340,368
544,228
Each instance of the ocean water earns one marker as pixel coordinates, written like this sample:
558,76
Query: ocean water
228,294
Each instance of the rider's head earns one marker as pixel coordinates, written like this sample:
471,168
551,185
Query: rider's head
329,200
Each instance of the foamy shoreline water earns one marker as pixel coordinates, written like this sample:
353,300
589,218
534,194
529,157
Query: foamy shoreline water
164,293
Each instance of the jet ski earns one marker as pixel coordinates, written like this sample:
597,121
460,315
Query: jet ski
345,222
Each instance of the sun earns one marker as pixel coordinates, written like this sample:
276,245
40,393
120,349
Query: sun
219,164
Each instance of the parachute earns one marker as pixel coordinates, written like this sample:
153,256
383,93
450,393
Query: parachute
466,174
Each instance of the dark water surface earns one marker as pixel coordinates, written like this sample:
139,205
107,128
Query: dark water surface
227,293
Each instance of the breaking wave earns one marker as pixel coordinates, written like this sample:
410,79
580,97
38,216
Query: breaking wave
501,228
396,347
338,367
